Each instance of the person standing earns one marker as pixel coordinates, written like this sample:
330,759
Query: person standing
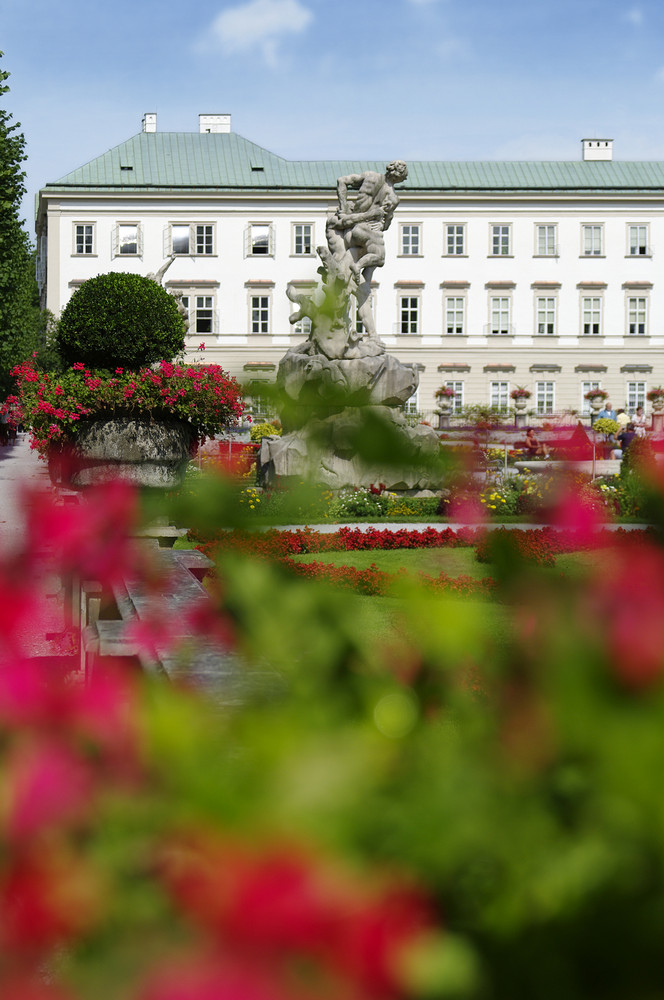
607,412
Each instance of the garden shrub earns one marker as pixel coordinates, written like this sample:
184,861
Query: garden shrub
266,429
120,320
360,503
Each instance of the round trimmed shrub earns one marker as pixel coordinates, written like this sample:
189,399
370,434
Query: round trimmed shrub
120,320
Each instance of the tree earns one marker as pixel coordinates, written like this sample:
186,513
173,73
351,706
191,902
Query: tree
21,323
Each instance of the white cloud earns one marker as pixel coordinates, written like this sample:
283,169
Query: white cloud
635,16
260,24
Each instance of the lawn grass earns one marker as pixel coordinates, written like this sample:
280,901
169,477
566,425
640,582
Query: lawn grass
452,562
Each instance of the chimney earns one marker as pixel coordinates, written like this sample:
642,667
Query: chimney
597,149
149,122
214,123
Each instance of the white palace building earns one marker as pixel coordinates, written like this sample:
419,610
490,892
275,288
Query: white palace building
548,275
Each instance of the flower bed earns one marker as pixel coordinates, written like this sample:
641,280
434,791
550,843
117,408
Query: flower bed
537,546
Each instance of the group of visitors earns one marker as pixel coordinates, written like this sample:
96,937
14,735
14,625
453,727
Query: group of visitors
628,427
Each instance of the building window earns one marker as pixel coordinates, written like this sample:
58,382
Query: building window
259,240
501,241
412,405
499,396
635,395
544,397
180,239
637,310
259,401
457,402
455,308
499,310
127,239
84,236
204,240
260,313
201,313
546,241
455,240
410,240
546,316
592,241
409,308
303,239
587,387
591,311
303,327
637,238
190,240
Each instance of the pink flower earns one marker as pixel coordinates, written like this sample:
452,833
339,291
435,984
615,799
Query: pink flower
623,604
48,785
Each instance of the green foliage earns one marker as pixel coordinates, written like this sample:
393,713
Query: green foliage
604,425
21,326
120,320
359,503
259,431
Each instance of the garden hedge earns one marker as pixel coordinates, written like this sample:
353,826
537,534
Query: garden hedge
120,320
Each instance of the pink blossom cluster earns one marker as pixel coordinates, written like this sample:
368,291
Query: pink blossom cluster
52,406
259,918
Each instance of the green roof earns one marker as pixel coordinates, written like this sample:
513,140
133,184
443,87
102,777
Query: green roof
225,160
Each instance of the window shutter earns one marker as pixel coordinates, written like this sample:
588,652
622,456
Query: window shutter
115,241
139,239
247,241
167,242
271,240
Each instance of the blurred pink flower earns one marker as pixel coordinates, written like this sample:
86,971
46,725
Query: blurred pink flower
47,785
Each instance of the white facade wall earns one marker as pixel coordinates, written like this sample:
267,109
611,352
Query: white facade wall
231,278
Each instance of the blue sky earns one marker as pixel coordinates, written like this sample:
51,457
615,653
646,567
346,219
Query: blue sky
316,79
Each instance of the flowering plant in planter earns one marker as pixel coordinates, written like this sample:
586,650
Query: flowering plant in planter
445,392
594,393
56,406
520,393
656,393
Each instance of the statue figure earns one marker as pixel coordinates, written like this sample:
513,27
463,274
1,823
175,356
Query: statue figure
158,275
342,368
363,223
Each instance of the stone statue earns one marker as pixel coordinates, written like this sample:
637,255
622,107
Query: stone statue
363,223
343,367
158,275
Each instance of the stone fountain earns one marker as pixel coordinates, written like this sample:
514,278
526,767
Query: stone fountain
342,376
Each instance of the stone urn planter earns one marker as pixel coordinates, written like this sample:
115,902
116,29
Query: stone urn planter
444,412
139,450
656,399
520,397
596,403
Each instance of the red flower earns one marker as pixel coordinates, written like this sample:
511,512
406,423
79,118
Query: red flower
46,898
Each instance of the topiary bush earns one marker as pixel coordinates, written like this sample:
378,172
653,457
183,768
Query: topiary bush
120,321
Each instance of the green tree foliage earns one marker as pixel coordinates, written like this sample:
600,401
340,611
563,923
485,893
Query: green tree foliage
120,320
21,324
